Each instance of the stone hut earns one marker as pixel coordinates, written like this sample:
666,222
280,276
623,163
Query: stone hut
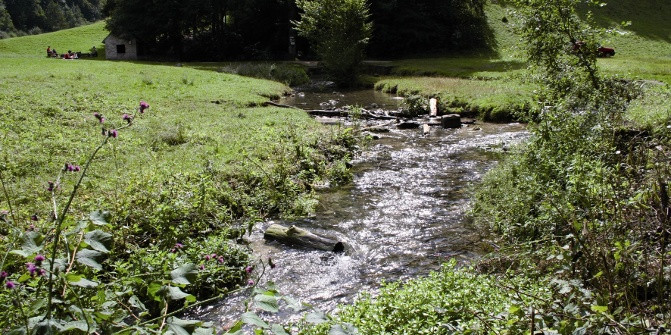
120,49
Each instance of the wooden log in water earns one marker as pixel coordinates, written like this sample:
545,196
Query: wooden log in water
301,237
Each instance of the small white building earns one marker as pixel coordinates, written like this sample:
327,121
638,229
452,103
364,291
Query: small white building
120,49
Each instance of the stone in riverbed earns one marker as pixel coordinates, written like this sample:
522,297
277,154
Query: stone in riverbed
451,121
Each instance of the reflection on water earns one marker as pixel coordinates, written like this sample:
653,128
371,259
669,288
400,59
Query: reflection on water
403,216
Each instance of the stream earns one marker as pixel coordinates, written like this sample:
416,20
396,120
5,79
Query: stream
402,216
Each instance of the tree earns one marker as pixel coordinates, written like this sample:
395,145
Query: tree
338,31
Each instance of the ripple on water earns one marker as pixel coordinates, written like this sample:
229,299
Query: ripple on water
403,216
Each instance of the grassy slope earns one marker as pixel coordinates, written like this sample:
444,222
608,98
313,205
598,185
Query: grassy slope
643,52
46,108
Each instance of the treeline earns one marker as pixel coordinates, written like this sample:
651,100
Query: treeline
22,17
263,29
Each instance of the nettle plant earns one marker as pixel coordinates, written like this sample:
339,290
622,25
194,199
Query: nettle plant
54,280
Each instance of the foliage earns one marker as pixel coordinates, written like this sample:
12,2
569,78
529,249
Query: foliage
587,196
338,32
149,233
19,17
418,27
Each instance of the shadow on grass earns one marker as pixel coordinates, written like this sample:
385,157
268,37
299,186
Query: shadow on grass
649,18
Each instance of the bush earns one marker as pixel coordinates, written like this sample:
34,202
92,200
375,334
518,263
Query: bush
338,31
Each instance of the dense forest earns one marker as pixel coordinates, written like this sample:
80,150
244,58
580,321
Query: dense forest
263,29
253,29
21,17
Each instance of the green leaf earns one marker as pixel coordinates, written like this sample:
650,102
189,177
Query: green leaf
32,244
135,302
599,309
100,218
514,310
316,318
343,329
79,325
278,330
77,280
175,293
184,274
267,303
252,319
156,291
88,257
99,240
237,328
203,331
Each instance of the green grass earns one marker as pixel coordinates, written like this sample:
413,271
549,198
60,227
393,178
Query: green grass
198,119
487,81
75,39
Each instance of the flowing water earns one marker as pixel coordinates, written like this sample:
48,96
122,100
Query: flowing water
401,217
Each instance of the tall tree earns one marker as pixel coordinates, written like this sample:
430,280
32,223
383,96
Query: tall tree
338,31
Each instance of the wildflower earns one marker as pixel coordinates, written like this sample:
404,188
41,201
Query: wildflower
3,275
10,285
51,186
33,217
143,106
39,259
99,116
31,268
213,256
202,267
77,168
249,269
221,260
42,272
177,247
207,257
113,133
127,117
250,283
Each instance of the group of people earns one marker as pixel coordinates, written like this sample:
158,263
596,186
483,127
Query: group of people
52,53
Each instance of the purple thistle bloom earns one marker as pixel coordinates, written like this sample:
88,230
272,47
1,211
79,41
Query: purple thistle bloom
143,106
113,133
127,117
42,272
33,217
250,283
4,275
207,257
98,116
249,269
77,168
31,268
51,186
221,260
39,259
10,285
179,245
202,267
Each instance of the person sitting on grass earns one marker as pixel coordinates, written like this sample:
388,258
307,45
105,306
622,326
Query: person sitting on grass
49,51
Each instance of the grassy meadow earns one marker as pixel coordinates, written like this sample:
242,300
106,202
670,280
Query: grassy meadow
496,79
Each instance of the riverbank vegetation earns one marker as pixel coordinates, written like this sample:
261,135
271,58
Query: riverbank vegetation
579,215
124,186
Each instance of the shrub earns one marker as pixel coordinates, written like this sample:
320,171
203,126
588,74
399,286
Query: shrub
338,31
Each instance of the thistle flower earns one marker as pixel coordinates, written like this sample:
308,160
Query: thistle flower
99,116
31,268
207,257
202,267
249,269
33,217
39,259
10,285
3,275
127,117
42,272
113,133
143,105
221,260
250,283
51,186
